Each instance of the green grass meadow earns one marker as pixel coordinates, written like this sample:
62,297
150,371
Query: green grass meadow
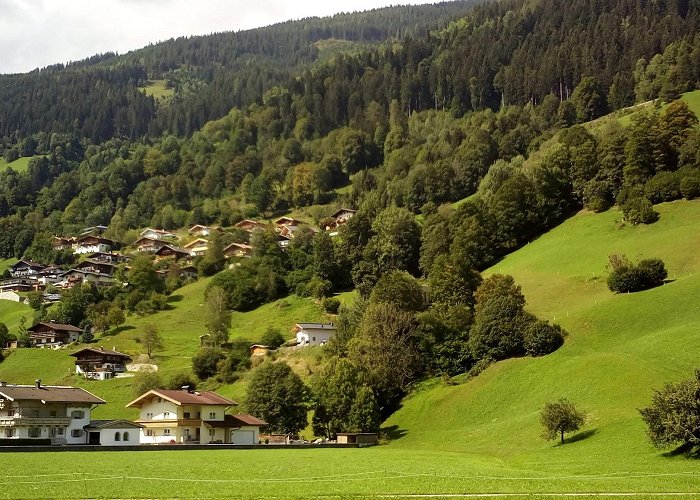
465,438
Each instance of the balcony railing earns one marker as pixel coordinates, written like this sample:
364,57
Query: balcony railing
33,421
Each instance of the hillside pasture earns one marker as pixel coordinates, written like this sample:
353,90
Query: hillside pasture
19,165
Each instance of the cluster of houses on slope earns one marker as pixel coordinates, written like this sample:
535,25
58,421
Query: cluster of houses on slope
62,415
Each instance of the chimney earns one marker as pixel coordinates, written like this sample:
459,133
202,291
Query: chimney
188,388
102,348
38,383
3,383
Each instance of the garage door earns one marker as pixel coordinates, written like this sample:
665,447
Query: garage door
243,437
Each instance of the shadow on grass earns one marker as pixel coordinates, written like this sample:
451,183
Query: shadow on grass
393,432
175,298
687,450
118,330
580,436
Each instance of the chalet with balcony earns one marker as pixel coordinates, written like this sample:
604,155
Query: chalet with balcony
91,244
201,231
62,243
158,234
171,252
308,334
238,250
48,413
109,257
147,244
96,266
197,247
26,269
343,215
74,277
53,335
100,363
187,416
250,225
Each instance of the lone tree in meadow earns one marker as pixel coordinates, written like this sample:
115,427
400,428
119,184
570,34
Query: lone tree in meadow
151,340
674,415
560,417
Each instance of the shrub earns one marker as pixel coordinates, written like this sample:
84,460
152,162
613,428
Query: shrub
272,338
541,338
664,186
205,362
690,187
331,305
639,210
181,379
319,288
625,277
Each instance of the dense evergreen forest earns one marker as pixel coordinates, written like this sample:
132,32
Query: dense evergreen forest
98,98
489,110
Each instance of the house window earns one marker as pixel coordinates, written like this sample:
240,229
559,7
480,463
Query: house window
212,432
34,432
52,413
117,436
9,433
149,432
166,414
60,431
212,414
35,413
186,415
10,413
166,432
313,339
77,414
126,436
149,416
76,433
187,432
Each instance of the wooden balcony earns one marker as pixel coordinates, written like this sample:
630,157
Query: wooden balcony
34,421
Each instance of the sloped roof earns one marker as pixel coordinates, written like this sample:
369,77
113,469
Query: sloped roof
198,241
101,351
183,397
111,424
318,326
235,421
173,249
48,393
343,210
57,327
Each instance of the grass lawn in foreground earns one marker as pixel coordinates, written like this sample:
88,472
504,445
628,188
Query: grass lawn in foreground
307,473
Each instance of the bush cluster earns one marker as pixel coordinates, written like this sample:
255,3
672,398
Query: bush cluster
626,277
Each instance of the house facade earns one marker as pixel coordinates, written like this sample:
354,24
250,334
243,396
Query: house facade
112,433
100,363
197,247
26,269
343,215
250,225
57,413
92,244
186,416
171,252
53,335
308,334
157,234
238,250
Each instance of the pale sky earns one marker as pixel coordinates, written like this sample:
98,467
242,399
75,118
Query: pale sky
37,33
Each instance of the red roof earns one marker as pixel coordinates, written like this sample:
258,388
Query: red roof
49,393
239,420
59,327
183,397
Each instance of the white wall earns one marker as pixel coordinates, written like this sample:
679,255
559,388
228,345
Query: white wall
77,424
107,436
244,436
313,336
158,409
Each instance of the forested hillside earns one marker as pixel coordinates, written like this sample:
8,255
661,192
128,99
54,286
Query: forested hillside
98,98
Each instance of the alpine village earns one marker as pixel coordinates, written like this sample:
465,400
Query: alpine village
422,250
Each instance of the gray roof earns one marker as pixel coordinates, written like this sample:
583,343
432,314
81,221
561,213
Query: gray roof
318,326
111,424
49,393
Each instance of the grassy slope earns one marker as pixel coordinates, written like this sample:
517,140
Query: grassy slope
180,326
620,346
157,89
19,165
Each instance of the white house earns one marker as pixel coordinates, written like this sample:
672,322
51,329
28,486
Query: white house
58,413
113,432
314,333
157,234
197,247
187,416
92,244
